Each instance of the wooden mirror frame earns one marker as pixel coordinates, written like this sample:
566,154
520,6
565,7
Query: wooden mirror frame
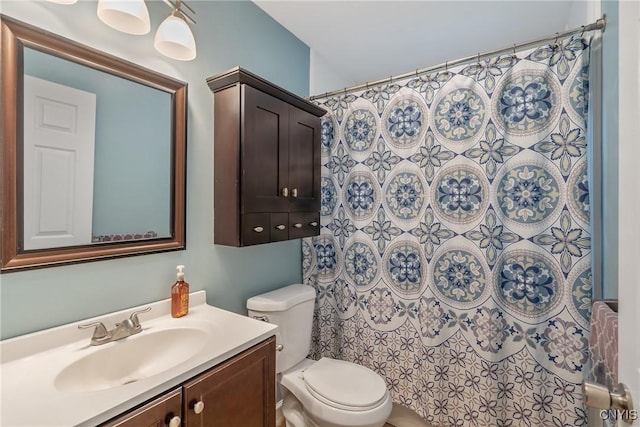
17,35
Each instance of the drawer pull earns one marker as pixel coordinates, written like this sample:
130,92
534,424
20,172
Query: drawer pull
280,227
285,192
175,421
258,229
294,192
279,347
313,224
297,225
198,407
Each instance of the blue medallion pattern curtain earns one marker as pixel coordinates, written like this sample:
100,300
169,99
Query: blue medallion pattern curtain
454,254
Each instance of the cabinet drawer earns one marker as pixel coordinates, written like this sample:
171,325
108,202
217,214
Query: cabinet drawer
279,227
256,229
304,224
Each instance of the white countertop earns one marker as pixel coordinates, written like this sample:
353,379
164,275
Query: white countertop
30,364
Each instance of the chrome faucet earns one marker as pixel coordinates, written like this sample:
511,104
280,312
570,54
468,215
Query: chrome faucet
127,327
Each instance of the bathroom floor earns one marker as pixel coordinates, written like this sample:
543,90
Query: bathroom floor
400,417
404,417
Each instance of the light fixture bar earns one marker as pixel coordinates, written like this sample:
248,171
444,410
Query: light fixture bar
176,5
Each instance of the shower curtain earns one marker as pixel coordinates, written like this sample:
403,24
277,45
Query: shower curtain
454,253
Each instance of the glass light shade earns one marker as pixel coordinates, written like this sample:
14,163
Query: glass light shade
128,16
175,39
63,1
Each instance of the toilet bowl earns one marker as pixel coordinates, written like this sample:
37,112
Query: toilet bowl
323,393
334,393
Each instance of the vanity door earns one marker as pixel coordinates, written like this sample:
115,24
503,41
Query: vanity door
238,393
161,412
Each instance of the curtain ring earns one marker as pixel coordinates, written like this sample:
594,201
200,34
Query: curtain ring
582,33
367,85
555,43
514,56
478,58
416,72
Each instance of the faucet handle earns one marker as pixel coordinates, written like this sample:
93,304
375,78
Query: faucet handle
134,316
100,331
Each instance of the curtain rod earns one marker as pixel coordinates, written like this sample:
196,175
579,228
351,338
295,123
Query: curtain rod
600,24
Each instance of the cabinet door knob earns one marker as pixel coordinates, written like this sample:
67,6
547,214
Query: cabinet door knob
198,407
294,192
297,225
279,347
175,422
280,227
285,192
258,229
313,224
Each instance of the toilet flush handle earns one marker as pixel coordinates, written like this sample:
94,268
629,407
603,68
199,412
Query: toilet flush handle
263,318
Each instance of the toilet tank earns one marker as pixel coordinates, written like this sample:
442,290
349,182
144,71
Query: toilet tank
291,308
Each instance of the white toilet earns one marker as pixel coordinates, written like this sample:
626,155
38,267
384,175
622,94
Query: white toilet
323,393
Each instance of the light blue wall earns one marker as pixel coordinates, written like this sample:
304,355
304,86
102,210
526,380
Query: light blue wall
227,34
132,176
610,150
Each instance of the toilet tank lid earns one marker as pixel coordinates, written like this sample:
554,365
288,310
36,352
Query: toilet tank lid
281,299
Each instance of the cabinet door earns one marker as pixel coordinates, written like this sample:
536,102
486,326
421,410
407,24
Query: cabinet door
160,412
265,152
304,161
238,393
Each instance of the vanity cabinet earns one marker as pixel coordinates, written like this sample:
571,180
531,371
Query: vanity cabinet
266,161
239,392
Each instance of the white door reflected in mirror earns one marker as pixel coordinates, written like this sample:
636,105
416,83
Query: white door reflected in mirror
59,149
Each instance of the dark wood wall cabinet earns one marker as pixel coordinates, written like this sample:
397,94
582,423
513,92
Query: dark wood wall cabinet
266,161
237,393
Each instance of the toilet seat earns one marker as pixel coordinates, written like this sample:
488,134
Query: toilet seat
345,385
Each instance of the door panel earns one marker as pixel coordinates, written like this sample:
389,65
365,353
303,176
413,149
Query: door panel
156,413
265,156
59,147
304,163
238,393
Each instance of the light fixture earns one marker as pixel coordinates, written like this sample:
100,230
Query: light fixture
174,37
128,16
63,1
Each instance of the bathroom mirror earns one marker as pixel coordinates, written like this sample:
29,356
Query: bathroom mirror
93,153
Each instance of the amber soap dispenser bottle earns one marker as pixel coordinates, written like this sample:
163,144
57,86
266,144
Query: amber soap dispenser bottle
180,295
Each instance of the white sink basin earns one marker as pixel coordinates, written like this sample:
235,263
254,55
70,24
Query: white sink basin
71,383
131,359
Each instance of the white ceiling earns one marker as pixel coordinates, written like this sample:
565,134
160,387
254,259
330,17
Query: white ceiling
363,41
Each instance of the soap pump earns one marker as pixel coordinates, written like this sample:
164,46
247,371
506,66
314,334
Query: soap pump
180,295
